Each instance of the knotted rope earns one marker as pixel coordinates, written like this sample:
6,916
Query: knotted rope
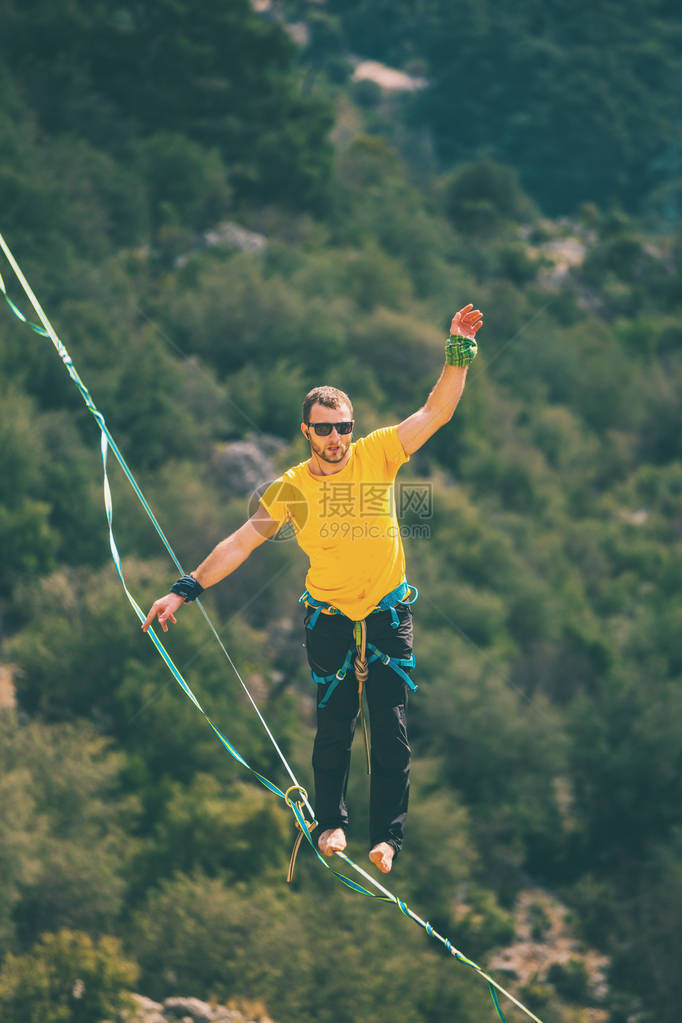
361,668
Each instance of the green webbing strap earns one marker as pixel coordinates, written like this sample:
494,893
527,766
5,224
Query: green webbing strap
107,442
493,986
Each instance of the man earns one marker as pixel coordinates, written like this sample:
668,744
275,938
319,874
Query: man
358,619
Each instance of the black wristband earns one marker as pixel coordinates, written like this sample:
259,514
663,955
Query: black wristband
187,587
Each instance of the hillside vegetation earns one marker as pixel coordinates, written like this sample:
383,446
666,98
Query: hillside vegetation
547,730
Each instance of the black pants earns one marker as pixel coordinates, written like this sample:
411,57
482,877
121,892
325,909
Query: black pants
327,644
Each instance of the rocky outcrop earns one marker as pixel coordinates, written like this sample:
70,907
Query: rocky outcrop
545,940
8,699
390,79
243,465
226,235
182,1010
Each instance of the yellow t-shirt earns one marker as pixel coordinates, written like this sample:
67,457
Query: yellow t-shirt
346,523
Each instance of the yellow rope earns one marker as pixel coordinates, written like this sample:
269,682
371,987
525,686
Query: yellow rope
361,668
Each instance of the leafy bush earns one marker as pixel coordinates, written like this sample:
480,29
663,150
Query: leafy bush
66,978
73,833
570,979
482,197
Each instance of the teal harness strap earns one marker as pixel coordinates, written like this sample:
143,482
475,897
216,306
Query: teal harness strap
318,606
400,595
396,663
337,677
397,596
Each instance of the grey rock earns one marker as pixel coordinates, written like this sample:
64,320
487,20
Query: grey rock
180,1010
242,466
144,1011
188,1008
234,236
227,235
147,1004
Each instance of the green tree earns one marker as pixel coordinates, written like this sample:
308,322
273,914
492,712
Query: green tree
27,543
20,834
79,827
187,184
546,101
226,79
645,963
484,198
238,833
66,978
230,942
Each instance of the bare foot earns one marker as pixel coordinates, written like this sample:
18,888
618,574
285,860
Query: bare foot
332,841
382,856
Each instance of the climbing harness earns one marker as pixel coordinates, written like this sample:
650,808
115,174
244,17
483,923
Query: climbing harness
400,595
295,797
357,655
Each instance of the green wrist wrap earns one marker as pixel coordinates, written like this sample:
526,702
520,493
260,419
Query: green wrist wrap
459,350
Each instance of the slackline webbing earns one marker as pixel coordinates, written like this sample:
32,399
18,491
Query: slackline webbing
298,805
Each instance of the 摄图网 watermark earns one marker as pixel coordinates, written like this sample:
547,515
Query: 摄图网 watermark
348,509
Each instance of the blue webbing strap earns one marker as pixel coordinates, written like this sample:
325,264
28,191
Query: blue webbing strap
397,596
335,678
396,663
318,607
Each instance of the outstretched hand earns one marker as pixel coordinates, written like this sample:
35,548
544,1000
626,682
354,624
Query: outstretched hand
467,321
164,609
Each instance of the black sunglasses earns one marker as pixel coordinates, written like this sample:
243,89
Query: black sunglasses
324,429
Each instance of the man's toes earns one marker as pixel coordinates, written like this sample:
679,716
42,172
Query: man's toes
382,856
331,841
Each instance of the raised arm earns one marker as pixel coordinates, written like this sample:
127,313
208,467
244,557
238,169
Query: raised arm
440,405
225,557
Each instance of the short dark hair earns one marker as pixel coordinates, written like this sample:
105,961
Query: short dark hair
330,397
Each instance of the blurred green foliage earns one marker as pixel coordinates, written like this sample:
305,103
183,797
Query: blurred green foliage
66,978
559,93
547,729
